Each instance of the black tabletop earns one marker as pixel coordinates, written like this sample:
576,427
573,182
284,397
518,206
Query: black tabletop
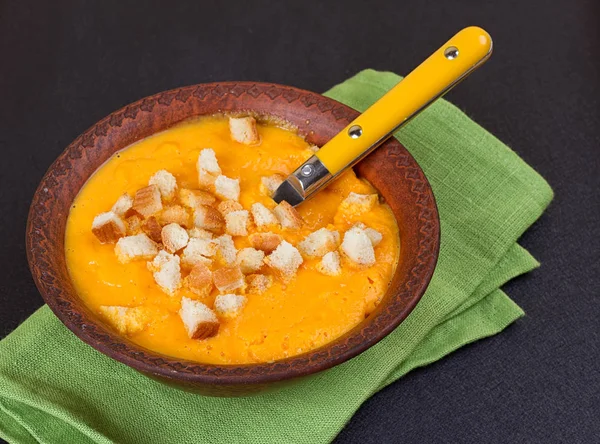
65,65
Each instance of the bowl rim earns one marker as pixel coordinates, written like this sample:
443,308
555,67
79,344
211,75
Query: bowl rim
39,241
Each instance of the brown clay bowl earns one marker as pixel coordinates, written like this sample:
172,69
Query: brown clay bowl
391,169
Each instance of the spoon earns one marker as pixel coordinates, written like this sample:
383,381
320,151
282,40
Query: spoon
445,68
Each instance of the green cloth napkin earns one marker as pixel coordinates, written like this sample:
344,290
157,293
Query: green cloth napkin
54,388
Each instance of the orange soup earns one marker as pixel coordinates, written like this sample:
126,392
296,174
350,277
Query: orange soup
291,316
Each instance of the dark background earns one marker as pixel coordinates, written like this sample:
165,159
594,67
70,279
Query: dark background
65,65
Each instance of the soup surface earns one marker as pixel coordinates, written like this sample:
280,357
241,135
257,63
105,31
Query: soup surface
289,318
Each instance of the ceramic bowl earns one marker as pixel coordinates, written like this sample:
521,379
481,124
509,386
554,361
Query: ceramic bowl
391,169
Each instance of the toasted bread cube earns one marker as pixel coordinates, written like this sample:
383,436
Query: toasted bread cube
174,237
126,320
206,180
199,281
236,223
208,168
153,229
192,253
358,247
207,160
330,264
250,260
133,224
194,198
319,243
229,279
199,250
159,260
258,283
229,305
166,271
130,248
147,201
227,188
166,183
200,321
287,215
266,242
269,184
356,204
243,130
209,218
131,212
262,216
285,260
108,227
199,233
226,251
175,214
375,236
123,203
205,247
227,206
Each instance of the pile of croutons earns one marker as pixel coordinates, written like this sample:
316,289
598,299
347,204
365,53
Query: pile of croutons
187,237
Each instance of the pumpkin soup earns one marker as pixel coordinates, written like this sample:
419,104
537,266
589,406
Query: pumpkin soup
176,243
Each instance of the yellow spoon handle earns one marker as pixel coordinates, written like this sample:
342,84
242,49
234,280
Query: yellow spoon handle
457,58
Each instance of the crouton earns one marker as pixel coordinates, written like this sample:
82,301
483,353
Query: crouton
358,247
122,204
268,184
356,204
227,206
229,279
209,218
258,283
236,223
208,168
206,180
133,224
243,130
262,216
191,256
330,264
174,238
285,261
374,235
175,214
266,242
152,228
198,251
287,215
199,281
229,305
195,198
200,321
147,201
227,188
139,246
250,260
166,271
166,183
226,251
131,212
199,233
126,320
319,243
108,227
